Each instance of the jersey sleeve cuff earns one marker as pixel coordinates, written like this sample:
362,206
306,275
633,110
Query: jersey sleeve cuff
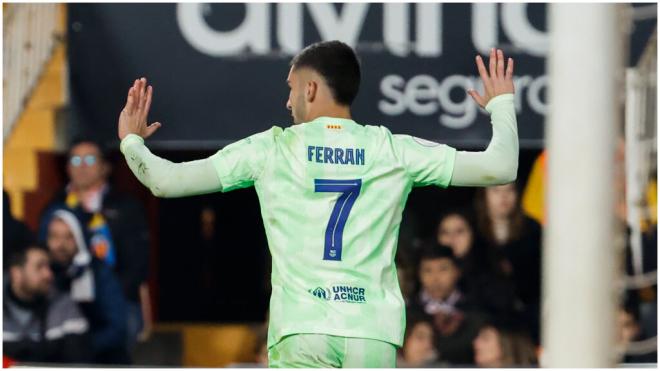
448,170
221,170
128,140
499,101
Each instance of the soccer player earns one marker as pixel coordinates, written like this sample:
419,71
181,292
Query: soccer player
331,192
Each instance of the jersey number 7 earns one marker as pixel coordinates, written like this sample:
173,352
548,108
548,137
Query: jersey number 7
349,189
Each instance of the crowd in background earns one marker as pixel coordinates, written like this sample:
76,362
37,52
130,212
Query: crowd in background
473,290
75,292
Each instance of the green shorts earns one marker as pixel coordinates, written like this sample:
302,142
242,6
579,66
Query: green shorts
327,351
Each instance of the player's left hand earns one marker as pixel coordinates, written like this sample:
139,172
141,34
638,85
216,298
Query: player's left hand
133,118
496,81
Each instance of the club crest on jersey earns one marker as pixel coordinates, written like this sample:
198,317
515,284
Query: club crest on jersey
341,293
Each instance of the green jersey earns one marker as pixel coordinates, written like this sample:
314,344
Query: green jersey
332,193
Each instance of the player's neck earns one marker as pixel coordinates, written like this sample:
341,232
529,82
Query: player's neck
336,111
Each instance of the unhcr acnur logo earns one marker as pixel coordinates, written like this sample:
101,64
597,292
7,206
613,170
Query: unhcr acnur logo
321,293
346,294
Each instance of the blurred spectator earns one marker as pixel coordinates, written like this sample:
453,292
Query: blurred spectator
516,241
438,276
16,235
117,227
454,230
39,323
454,322
641,236
92,285
645,298
482,277
629,330
406,274
418,342
498,347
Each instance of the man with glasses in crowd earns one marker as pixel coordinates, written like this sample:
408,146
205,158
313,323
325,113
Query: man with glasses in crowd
116,227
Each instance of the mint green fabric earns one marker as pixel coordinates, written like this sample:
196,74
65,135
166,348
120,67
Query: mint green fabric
498,164
327,351
165,178
332,193
357,294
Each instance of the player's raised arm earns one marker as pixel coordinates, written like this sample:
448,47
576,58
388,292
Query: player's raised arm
498,164
162,177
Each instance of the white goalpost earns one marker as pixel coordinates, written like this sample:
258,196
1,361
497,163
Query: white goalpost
585,65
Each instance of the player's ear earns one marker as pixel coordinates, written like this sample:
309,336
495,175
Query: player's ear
311,90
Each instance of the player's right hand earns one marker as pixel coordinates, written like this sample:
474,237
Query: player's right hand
133,118
496,81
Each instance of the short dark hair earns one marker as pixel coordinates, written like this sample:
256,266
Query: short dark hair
19,257
337,63
436,251
103,151
413,317
461,213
